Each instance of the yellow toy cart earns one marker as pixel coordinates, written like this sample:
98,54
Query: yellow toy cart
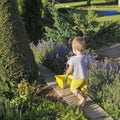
63,81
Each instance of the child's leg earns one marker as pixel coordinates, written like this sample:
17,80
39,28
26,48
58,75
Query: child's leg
75,86
79,84
82,99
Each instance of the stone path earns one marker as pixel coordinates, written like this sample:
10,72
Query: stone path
91,110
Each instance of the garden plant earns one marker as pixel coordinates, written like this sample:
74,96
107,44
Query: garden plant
19,76
26,104
16,57
31,13
104,74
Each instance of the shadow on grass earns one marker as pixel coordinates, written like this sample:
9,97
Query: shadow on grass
101,4
85,11
92,4
82,11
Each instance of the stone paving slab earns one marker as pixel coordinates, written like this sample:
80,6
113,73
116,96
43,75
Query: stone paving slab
62,92
91,109
94,111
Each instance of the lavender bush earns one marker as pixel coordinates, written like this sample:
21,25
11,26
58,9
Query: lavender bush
111,98
56,59
104,82
42,49
104,75
51,55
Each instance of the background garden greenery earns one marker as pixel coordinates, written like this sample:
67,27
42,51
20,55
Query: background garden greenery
25,104
16,57
50,27
104,74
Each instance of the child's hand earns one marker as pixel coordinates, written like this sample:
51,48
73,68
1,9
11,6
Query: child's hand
69,70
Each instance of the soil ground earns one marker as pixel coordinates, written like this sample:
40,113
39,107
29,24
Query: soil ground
48,92
111,51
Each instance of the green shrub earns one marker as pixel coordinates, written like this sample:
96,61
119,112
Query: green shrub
20,6
40,108
26,105
31,12
6,88
106,94
16,57
61,32
46,13
108,33
111,93
93,31
86,26
67,25
41,50
56,59
52,55
40,55
103,88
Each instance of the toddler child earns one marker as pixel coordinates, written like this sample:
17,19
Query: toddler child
78,67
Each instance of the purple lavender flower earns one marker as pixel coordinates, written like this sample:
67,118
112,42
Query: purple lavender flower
44,44
56,59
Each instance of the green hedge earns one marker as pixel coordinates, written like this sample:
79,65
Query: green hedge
16,57
31,11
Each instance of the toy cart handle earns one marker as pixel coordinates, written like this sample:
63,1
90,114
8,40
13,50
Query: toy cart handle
65,81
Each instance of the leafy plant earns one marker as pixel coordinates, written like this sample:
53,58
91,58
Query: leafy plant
16,57
52,55
56,59
104,78
41,50
20,6
93,31
26,105
72,23
111,93
31,15
61,32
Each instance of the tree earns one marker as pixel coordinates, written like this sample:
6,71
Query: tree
32,12
88,2
16,57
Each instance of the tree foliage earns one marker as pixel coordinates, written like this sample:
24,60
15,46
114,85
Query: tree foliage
16,57
31,12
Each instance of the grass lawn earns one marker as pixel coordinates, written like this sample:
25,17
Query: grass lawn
81,3
99,9
97,6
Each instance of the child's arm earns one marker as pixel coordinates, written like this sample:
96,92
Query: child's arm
69,70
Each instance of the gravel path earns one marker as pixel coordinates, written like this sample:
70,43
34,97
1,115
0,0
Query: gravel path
112,51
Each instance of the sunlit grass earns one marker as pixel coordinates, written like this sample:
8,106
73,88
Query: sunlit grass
95,6
81,3
99,9
115,18
71,4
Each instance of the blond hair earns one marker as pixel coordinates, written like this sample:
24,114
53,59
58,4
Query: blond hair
78,44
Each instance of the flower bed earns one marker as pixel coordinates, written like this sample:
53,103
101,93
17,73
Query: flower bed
104,77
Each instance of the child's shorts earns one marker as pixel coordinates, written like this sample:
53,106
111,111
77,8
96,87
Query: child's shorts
81,84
